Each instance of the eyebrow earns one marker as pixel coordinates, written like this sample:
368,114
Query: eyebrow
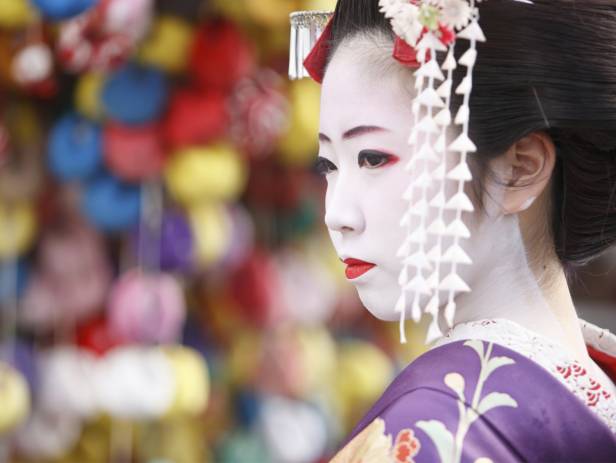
354,132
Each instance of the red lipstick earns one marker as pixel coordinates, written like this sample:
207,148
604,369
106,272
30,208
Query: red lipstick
356,268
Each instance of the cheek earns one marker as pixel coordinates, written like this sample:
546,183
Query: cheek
384,208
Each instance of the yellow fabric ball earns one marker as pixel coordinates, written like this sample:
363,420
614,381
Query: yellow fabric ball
168,44
211,227
243,359
270,13
88,95
235,9
18,228
322,5
14,397
16,13
206,173
192,384
363,373
300,144
318,356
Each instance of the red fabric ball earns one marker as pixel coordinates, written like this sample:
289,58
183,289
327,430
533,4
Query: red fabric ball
221,55
254,287
96,336
133,153
195,118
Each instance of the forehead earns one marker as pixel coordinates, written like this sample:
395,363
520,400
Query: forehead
358,90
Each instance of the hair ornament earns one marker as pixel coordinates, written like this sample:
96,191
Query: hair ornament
310,33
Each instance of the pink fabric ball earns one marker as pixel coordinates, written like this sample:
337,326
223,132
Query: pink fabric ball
147,308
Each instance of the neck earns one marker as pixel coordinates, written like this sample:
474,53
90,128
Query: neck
531,292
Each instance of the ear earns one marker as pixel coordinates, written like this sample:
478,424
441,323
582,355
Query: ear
526,169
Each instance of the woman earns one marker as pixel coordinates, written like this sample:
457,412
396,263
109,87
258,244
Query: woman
514,375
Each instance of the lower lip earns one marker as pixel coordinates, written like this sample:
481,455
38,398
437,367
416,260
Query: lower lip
357,270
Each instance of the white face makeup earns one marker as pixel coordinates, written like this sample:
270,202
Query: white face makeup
364,128
363,146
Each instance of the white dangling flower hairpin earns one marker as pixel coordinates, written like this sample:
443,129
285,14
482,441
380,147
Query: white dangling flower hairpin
429,277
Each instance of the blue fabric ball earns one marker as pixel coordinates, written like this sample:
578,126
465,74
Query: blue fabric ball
111,205
63,9
75,148
8,288
135,94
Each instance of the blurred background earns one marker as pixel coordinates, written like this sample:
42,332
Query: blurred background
168,292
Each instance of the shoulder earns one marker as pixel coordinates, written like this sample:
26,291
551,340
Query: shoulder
476,400
428,426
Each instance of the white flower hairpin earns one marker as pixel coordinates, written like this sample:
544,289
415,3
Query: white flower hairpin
429,27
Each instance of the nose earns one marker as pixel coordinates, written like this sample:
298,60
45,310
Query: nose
343,212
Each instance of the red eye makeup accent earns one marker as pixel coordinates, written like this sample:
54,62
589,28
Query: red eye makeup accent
374,159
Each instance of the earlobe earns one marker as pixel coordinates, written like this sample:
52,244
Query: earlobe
531,162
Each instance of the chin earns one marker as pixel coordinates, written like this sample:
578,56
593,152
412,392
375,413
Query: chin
380,303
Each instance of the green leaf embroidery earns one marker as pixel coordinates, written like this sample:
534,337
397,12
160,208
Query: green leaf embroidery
495,399
440,436
476,345
497,362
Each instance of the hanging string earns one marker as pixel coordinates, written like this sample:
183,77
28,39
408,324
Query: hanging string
150,225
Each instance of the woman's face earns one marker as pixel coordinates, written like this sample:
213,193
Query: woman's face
364,127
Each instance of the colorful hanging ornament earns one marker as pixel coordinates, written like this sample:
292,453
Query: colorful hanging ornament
88,95
73,259
104,37
63,9
214,173
133,153
16,13
177,249
96,336
135,94
18,228
196,117
32,68
135,383
74,148
15,396
221,55
211,229
168,43
191,381
147,308
111,205
259,112
47,436
67,382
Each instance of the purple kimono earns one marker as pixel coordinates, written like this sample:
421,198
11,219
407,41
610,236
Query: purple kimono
479,402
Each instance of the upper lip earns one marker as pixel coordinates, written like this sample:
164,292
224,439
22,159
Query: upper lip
352,261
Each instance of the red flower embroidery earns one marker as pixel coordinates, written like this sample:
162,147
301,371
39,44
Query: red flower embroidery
591,398
593,384
578,370
406,446
566,372
594,391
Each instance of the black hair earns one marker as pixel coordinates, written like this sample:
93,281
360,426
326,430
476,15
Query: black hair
548,66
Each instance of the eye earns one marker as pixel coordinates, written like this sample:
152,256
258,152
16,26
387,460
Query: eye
375,159
323,166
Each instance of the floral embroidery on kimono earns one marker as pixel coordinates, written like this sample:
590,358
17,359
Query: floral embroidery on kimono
477,401
372,445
